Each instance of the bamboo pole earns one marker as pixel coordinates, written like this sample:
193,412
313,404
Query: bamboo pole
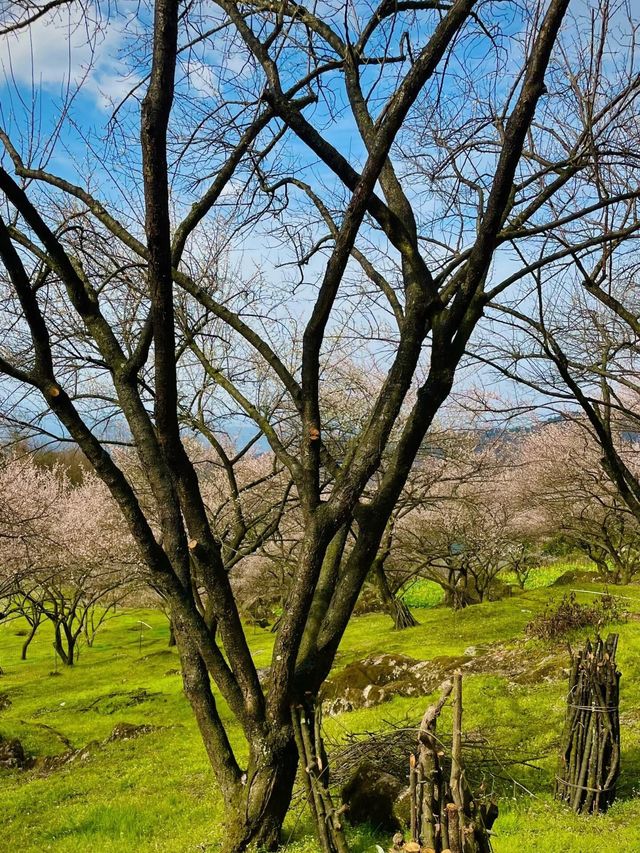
312,795
310,745
412,797
455,780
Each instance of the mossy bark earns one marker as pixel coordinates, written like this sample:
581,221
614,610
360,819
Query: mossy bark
257,812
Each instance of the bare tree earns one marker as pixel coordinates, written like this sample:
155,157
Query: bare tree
569,332
95,288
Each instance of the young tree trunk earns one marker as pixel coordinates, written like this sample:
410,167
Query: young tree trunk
27,642
395,607
67,655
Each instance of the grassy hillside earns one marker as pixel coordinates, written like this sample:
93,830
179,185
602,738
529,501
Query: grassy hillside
156,792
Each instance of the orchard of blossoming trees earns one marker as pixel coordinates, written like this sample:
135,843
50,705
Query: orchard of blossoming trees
476,508
249,252
66,559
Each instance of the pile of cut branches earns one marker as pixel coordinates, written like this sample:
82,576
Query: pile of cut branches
444,813
568,615
590,757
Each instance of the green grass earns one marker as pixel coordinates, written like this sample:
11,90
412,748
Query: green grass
157,792
423,593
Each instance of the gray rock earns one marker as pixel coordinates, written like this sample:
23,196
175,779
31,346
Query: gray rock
370,796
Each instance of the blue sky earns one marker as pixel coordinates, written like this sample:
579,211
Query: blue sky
63,53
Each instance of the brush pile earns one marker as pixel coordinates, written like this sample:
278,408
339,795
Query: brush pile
590,756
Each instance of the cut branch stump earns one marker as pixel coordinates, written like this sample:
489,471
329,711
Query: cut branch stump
444,814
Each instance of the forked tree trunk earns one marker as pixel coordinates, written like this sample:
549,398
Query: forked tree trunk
27,642
402,616
255,804
67,655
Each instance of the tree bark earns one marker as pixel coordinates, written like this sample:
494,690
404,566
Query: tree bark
27,642
256,802
258,811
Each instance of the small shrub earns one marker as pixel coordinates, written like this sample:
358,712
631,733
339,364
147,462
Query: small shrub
568,615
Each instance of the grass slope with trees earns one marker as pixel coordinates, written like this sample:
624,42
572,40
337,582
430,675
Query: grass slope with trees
155,791
254,257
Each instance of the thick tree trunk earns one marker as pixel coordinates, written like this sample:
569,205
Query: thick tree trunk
255,817
401,615
256,802
462,591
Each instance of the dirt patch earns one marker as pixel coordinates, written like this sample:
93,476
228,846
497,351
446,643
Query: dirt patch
109,703
128,731
113,702
161,654
121,732
518,664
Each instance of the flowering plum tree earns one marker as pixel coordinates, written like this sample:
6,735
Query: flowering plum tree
66,558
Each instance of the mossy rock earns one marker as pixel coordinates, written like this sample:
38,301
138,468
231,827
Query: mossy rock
370,682
572,576
12,755
370,796
549,669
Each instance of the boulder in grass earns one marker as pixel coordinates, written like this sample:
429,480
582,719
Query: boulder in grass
11,754
369,682
370,796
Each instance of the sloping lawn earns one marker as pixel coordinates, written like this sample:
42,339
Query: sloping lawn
156,792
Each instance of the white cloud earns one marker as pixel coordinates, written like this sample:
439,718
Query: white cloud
74,48
201,78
